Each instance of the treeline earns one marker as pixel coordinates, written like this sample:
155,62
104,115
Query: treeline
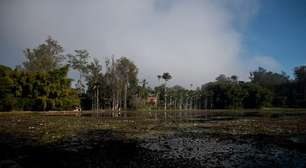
265,89
41,83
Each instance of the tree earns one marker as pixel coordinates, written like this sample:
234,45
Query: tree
234,78
114,83
257,96
7,99
300,73
127,72
222,78
118,86
144,90
166,77
300,78
46,57
158,90
79,62
268,78
24,90
274,82
159,77
236,95
178,94
94,80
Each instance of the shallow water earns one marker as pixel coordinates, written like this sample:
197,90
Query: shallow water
210,151
155,139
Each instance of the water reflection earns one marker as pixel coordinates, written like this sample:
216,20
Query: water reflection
150,115
192,115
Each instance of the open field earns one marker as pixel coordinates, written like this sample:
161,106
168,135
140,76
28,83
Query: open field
249,138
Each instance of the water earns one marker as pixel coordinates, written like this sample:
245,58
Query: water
198,138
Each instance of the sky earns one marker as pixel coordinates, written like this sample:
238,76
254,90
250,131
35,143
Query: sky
194,40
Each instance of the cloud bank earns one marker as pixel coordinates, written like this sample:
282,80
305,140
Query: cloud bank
194,40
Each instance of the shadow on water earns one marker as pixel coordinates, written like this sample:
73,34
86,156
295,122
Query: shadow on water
96,148
106,148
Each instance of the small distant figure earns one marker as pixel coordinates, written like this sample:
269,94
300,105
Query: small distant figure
119,113
77,108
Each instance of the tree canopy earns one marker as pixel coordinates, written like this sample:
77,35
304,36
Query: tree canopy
23,90
46,57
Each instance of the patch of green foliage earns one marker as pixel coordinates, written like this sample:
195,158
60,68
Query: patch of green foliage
22,90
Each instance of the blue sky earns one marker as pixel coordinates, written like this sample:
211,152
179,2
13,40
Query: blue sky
279,30
194,40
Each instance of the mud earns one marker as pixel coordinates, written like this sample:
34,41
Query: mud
184,149
246,142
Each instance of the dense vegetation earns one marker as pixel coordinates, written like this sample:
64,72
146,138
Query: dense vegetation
42,84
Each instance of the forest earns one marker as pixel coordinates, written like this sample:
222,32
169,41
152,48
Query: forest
41,83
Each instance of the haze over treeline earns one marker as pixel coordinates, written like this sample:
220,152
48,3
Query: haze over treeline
203,38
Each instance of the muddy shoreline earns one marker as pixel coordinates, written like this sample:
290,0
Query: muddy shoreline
104,149
239,142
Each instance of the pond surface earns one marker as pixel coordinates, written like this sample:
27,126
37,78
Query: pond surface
154,139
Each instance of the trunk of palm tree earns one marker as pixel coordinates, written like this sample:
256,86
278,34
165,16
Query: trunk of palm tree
165,107
171,102
97,99
191,103
118,102
180,103
125,97
304,91
156,104
165,98
125,94
113,102
92,102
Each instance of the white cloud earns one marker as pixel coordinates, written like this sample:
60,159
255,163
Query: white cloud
193,40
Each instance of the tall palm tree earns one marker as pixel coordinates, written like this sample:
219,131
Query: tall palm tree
166,77
159,77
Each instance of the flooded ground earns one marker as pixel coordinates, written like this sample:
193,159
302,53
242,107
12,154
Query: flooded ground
154,139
